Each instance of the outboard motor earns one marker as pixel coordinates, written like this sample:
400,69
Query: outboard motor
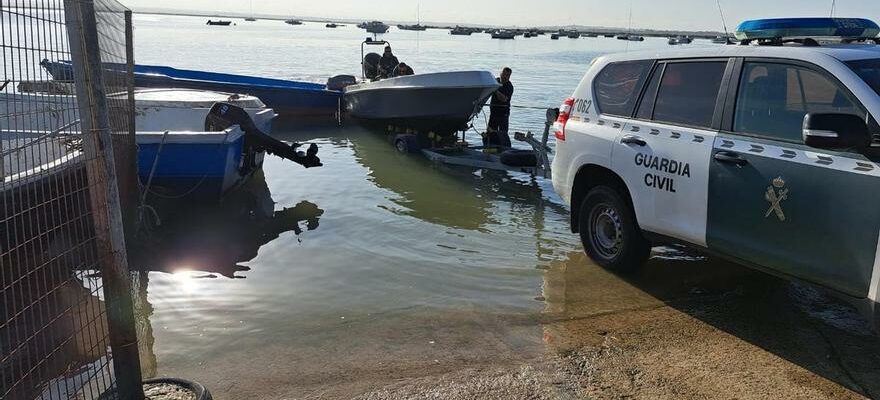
371,65
224,115
339,82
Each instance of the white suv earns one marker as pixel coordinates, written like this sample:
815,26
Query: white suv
760,154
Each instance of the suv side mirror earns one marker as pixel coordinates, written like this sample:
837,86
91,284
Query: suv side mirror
836,131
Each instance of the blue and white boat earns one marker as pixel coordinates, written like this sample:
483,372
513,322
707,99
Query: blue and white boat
182,149
287,98
178,156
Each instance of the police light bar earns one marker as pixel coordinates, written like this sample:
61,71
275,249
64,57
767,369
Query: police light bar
781,28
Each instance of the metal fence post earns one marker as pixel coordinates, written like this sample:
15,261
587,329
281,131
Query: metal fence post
104,194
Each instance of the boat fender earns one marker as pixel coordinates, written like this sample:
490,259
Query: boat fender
224,115
519,158
339,82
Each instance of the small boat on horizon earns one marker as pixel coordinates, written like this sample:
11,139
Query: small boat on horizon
458,30
503,34
219,23
631,38
416,27
331,25
250,19
681,39
377,27
293,22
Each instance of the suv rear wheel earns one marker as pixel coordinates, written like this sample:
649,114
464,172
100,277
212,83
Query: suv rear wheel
609,231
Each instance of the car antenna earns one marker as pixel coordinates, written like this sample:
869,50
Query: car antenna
723,23
833,3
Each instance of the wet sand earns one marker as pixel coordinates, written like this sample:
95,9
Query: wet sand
685,327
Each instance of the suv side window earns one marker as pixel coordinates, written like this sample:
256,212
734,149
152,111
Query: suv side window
617,87
646,107
774,98
688,93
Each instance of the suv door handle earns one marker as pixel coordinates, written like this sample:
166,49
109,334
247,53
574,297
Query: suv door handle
634,140
730,157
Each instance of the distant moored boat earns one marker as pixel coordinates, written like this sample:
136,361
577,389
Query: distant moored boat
503,34
219,23
374,27
416,27
461,31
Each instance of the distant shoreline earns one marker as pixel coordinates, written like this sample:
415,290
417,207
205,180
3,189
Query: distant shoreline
592,29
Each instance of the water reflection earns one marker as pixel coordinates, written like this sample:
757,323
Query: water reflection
217,239
421,191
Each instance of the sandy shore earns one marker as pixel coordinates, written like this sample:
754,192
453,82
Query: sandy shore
684,328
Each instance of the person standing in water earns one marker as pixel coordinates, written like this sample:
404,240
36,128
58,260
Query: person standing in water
499,112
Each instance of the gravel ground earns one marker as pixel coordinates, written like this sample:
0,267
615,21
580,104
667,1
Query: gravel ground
164,391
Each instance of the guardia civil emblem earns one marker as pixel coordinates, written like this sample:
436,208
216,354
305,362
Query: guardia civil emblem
776,194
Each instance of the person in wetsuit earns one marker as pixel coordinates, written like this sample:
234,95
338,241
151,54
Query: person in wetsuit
499,112
404,70
388,63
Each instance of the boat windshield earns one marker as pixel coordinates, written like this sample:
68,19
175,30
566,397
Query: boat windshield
869,71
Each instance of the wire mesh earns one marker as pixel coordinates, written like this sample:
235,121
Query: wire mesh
54,334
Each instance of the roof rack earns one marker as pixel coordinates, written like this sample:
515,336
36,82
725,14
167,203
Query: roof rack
779,41
876,40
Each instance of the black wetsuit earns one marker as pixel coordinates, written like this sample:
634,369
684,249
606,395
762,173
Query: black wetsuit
387,65
499,117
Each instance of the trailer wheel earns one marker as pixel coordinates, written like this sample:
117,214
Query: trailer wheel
406,143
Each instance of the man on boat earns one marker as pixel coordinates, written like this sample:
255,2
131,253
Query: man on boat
404,70
499,112
387,63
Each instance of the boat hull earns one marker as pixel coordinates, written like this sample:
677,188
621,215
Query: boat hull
287,98
440,103
195,164
191,163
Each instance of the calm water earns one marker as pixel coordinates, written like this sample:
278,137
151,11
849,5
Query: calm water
376,263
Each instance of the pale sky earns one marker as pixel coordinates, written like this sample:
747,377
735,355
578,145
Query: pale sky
657,14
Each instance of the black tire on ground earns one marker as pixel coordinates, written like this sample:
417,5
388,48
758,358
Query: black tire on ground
609,232
519,158
406,143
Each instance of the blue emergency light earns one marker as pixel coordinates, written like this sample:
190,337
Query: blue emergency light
781,28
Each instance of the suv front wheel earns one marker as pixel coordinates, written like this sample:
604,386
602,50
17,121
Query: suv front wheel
609,232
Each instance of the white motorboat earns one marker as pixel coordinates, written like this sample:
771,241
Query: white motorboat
442,103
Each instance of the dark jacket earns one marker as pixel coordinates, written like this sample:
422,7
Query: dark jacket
387,64
499,107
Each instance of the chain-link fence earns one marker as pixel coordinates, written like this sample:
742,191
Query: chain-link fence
63,274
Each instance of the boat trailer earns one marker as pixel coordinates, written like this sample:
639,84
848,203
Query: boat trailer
535,162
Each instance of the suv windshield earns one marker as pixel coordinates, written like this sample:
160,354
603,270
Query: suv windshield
869,71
